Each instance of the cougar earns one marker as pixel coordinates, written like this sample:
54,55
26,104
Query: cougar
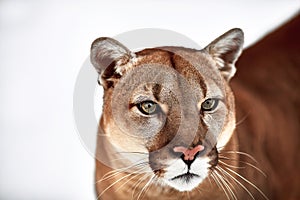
168,128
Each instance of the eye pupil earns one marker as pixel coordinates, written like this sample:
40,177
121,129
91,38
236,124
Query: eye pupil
147,107
209,104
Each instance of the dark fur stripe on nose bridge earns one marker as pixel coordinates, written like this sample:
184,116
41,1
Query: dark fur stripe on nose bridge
174,65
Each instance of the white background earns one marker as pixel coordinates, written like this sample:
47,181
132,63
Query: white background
42,47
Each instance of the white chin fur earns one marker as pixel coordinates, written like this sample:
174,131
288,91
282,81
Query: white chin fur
199,167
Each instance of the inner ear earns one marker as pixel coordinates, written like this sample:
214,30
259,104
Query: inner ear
108,56
225,50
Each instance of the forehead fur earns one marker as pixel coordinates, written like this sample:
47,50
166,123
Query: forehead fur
195,66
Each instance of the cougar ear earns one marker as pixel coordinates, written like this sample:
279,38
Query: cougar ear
109,58
225,50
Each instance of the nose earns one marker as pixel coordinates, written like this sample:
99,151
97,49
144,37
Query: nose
189,154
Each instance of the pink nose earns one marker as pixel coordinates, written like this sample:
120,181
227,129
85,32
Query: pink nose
189,154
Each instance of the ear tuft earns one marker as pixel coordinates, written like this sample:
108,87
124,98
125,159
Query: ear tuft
225,50
107,55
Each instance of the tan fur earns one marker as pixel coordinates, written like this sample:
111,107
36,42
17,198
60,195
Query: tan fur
267,108
268,105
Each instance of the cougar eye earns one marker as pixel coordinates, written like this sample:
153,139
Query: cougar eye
209,104
148,107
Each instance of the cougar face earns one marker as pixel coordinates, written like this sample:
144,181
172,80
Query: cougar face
168,110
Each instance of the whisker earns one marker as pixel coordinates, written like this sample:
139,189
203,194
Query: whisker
125,158
224,157
217,181
111,185
137,174
209,181
243,162
109,175
152,181
132,152
241,153
220,184
227,184
242,120
145,186
214,178
188,195
232,166
140,180
199,190
119,171
233,178
218,148
259,170
249,182
103,135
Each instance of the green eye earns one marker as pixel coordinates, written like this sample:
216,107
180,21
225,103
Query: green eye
209,104
148,107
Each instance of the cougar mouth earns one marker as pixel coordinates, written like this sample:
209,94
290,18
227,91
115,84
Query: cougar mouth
187,177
